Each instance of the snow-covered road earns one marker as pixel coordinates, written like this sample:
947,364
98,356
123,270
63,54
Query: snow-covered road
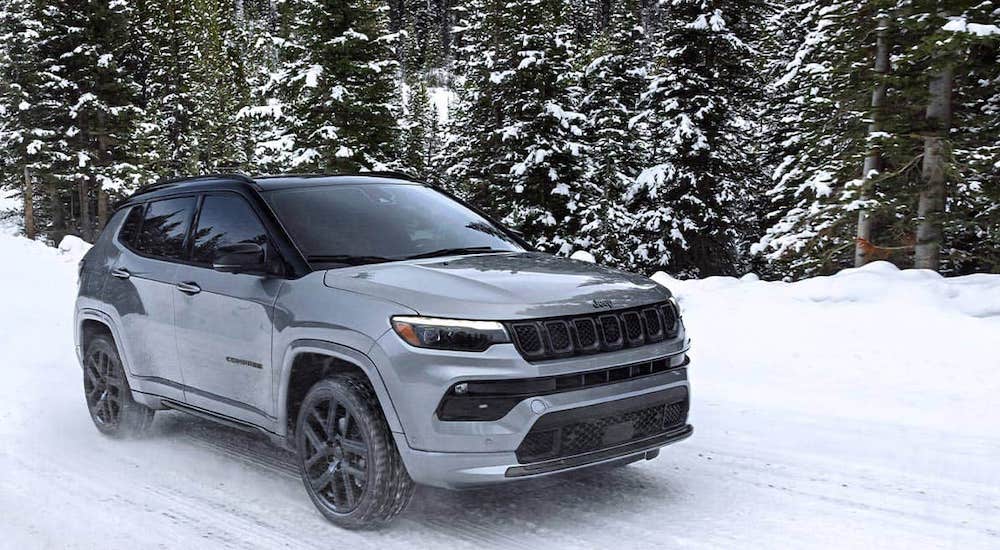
854,411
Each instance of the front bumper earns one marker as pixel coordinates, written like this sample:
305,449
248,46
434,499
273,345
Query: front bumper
458,454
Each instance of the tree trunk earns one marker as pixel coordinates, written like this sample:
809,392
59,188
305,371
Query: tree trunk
102,208
29,206
927,253
873,160
58,229
85,227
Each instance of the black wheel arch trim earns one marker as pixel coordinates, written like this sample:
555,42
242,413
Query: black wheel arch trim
343,353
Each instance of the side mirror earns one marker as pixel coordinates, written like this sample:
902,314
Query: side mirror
240,258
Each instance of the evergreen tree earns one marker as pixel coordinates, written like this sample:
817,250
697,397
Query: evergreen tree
518,135
699,178
822,115
614,80
335,91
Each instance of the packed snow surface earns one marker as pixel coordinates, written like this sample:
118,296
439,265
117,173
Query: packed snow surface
853,411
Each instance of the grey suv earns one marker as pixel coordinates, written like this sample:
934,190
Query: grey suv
383,330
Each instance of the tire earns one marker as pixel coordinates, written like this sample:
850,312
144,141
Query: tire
108,395
348,459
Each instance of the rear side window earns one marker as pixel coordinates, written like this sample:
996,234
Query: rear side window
164,227
130,228
224,220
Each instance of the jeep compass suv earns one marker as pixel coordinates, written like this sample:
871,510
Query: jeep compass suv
383,330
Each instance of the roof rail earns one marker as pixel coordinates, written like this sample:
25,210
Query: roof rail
390,174
168,182
384,173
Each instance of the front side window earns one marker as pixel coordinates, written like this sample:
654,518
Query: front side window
164,227
370,223
224,220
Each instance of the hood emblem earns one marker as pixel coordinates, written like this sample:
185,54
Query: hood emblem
602,304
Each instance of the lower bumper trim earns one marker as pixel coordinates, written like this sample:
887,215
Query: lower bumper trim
603,455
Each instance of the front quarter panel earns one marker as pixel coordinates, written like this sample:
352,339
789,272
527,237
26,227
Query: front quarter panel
310,317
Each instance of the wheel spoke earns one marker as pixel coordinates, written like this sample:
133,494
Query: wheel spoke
355,447
331,417
356,473
319,455
320,421
326,477
314,439
348,487
93,375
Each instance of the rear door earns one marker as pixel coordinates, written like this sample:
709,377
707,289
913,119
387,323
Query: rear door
223,321
142,288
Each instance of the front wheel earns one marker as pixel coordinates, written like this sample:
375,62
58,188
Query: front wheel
109,397
347,456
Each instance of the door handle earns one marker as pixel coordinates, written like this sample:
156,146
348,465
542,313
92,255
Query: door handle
188,288
120,273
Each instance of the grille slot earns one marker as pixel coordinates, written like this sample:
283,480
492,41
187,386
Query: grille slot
559,336
633,327
586,333
601,332
528,339
588,429
654,328
612,329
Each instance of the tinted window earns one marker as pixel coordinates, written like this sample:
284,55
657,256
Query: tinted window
224,220
130,228
377,222
165,226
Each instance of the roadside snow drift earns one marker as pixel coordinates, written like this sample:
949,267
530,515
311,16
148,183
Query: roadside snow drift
858,410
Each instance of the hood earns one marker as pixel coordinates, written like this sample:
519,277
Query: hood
510,286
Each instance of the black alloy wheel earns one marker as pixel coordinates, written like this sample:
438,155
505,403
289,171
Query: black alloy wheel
348,459
337,455
109,398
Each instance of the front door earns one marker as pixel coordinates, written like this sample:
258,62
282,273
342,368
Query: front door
223,320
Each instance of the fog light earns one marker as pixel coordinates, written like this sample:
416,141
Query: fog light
461,389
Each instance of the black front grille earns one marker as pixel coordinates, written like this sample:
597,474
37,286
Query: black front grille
569,336
589,429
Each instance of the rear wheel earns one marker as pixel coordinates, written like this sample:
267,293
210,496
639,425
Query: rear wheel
348,459
109,397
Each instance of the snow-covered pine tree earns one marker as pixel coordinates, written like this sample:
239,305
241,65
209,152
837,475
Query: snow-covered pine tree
219,86
951,60
335,90
23,146
518,134
820,110
418,128
821,113
613,81
688,201
80,108
167,74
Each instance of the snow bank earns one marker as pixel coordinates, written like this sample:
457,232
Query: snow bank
73,247
876,284
870,343
583,256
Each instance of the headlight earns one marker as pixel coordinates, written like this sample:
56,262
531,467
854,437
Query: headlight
450,334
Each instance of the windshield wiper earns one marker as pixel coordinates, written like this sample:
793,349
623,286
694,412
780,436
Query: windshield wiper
456,252
348,259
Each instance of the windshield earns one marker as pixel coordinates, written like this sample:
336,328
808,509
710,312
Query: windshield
370,223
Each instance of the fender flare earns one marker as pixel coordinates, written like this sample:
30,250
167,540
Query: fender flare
344,353
91,314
